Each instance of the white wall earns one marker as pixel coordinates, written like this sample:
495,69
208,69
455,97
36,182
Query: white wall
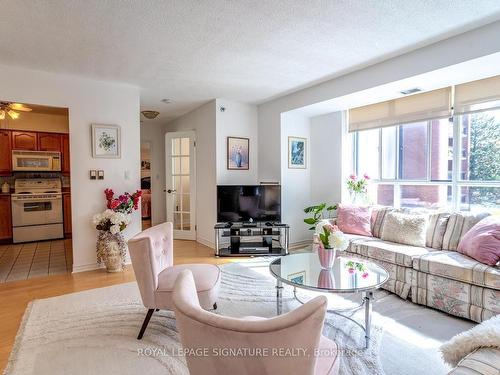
295,183
155,135
326,158
238,120
470,45
203,121
89,102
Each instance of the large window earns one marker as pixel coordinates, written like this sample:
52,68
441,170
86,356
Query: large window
442,163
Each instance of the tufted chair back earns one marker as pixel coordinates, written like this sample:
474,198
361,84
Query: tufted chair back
151,251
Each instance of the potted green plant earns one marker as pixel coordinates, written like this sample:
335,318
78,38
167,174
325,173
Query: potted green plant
319,212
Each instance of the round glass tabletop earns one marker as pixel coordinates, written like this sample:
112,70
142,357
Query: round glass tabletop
348,275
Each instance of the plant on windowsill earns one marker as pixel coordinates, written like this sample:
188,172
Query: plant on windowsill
358,189
111,247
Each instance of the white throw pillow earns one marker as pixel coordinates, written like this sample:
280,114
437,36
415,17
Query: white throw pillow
408,229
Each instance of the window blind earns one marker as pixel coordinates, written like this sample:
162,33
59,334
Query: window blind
477,95
419,107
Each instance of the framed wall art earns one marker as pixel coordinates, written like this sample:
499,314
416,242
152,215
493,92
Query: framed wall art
106,142
238,153
297,152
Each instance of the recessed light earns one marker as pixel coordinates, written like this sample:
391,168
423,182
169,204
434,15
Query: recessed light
166,101
411,91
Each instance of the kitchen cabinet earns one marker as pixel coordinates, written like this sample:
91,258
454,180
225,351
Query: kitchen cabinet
67,214
65,154
24,140
5,153
5,217
49,142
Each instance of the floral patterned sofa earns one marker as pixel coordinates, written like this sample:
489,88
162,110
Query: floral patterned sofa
435,275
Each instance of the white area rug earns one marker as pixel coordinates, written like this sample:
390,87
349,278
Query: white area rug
95,331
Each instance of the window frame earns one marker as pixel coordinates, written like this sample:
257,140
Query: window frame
456,182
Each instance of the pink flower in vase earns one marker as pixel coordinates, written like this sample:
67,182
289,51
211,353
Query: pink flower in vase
366,177
352,177
365,275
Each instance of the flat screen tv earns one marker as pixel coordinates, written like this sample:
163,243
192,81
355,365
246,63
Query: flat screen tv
240,203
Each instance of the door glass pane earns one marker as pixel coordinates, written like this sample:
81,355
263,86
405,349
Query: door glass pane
177,202
185,146
413,151
186,224
176,146
480,199
176,165
426,196
177,221
185,184
177,184
185,165
441,149
185,202
480,142
368,151
389,141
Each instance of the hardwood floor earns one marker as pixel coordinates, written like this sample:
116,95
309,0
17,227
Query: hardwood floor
15,296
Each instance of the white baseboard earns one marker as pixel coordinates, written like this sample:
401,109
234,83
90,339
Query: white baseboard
93,266
205,242
300,244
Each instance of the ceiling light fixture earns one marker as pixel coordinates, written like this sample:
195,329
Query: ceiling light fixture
12,109
2,114
411,91
150,115
166,101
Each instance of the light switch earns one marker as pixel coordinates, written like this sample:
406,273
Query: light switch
93,174
100,174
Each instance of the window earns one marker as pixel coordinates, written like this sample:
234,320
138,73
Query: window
434,164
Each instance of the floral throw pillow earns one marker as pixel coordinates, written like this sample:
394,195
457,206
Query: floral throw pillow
354,219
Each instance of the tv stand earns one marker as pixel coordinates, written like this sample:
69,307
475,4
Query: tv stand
251,239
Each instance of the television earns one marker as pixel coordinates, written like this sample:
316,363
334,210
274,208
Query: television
240,203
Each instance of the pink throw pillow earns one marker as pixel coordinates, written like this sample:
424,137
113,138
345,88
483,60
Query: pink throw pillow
482,241
354,219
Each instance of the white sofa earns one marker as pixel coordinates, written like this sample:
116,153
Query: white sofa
435,275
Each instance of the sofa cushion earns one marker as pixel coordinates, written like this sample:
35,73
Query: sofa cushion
354,219
482,242
458,224
405,228
453,265
378,217
436,229
387,251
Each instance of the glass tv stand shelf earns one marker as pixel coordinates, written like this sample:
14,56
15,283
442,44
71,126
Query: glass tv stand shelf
251,239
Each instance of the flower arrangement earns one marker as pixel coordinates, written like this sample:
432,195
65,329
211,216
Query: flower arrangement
353,267
111,247
357,185
330,236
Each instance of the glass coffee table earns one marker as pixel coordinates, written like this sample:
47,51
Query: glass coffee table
348,275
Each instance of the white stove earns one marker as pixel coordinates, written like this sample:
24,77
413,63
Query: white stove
37,212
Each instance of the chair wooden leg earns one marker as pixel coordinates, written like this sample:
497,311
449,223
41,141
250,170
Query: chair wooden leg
215,306
145,323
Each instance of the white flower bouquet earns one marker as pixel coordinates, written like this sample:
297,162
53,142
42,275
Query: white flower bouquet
111,221
330,236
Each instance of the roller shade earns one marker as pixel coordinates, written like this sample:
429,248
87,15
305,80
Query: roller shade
419,107
473,96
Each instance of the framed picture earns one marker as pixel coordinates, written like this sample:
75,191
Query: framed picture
298,277
238,152
297,152
106,141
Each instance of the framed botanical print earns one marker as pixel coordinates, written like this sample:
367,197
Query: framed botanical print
238,153
297,152
106,141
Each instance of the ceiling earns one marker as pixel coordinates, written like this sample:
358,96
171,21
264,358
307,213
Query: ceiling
191,51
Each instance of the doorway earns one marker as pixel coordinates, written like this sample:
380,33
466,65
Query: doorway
181,183
146,184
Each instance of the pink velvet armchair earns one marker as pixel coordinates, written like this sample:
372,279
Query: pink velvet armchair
288,344
151,252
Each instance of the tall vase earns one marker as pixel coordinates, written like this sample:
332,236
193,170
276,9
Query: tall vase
326,257
238,159
326,280
111,249
358,199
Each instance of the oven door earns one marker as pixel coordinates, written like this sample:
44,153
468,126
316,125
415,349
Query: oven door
36,210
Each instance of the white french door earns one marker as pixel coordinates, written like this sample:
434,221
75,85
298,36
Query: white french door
181,183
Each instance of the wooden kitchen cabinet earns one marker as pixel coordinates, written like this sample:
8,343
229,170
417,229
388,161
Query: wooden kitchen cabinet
24,140
5,153
65,154
49,142
5,217
67,214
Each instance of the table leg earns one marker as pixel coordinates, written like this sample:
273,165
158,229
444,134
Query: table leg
279,297
368,316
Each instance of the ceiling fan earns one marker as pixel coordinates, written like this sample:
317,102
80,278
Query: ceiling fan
12,109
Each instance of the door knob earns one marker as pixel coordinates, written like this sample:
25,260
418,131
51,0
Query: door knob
171,191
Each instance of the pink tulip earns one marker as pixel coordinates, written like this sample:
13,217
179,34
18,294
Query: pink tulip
352,177
366,176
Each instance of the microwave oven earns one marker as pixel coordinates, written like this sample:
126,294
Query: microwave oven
36,161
